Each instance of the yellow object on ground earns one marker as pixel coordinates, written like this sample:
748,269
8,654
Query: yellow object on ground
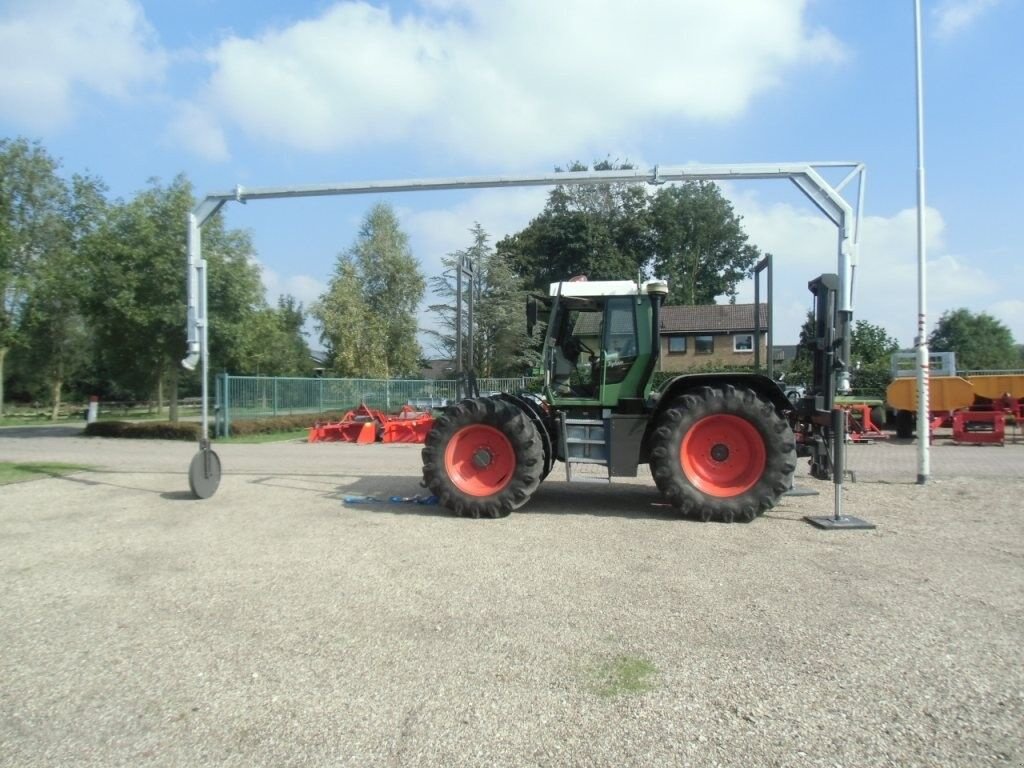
996,385
946,393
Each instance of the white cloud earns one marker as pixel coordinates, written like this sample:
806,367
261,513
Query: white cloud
1011,313
518,81
437,232
49,51
885,287
954,16
303,287
194,129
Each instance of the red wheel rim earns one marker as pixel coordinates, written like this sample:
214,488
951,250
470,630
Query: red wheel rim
723,455
479,460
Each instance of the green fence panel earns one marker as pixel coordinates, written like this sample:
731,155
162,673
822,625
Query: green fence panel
261,397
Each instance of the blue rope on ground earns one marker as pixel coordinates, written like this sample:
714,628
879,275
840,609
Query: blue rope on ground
425,500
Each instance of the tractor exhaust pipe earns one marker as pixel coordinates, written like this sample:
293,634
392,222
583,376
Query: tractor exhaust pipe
657,290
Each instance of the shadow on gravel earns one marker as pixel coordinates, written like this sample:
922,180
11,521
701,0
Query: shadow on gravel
30,432
178,496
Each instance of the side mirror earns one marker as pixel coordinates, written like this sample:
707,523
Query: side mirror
531,315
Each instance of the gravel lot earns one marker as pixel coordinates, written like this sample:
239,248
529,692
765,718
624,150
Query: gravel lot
275,625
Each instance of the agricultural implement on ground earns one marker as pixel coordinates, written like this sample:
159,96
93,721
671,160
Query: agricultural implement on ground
366,425
976,406
720,445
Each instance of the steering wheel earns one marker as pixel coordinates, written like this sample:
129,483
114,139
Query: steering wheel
573,346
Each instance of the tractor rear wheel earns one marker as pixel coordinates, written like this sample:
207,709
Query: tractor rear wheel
483,458
723,454
906,421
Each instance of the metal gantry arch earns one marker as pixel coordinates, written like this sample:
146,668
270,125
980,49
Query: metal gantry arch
808,177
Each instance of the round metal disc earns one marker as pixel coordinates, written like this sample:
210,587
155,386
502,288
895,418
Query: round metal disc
204,474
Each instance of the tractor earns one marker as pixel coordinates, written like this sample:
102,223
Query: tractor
720,445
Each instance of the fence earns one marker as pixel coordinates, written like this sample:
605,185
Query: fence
260,397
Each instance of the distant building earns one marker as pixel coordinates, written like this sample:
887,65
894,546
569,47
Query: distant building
438,369
711,334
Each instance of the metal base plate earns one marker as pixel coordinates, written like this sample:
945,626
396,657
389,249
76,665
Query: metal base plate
204,474
843,522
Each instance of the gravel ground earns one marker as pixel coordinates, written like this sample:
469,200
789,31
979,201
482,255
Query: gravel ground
276,625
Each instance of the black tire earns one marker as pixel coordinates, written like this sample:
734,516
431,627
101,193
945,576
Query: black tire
905,423
878,416
521,470
760,422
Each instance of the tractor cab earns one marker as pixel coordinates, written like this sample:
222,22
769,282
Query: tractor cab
600,348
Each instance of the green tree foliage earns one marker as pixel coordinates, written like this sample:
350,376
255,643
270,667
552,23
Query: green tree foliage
367,317
275,343
500,345
980,341
54,327
687,233
596,230
698,243
137,304
871,350
31,200
871,346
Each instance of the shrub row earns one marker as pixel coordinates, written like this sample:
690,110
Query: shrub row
151,430
242,427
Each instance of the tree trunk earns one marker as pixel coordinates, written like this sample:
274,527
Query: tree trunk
160,394
172,393
55,388
3,354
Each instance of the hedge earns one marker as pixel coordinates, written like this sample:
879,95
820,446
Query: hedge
146,430
241,427
190,430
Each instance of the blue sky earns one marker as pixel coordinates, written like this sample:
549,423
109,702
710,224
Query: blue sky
265,93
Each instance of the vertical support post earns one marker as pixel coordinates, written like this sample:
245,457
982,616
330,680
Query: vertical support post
274,397
470,268
771,320
757,319
839,459
923,358
764,264
839,521
458,330
227,405
320,408
218,406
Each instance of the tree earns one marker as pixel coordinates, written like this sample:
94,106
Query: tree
595,230
698,242
687,233
871,351
275,343
31,194
367,317
871,346
500,344
980,341
137,303
54,326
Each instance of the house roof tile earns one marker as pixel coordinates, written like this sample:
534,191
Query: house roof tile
712,318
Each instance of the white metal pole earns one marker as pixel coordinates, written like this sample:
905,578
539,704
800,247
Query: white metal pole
923,460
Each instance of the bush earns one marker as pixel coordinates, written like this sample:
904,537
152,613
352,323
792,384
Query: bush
242,427
147,430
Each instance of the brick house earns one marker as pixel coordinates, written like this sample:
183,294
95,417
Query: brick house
711,334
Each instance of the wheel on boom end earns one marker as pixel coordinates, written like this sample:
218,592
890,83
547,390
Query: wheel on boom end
483,458
723,454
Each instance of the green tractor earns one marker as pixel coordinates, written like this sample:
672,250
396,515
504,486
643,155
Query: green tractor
720,445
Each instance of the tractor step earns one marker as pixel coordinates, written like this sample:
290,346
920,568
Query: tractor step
584,443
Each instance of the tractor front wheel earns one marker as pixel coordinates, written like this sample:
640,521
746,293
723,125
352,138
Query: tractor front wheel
723,454
483,458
